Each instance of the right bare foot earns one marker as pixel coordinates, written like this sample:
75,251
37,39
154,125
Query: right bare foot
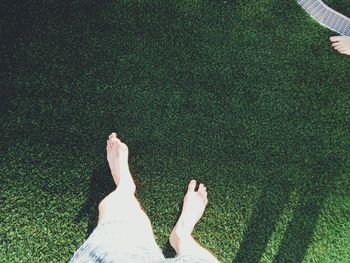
192,210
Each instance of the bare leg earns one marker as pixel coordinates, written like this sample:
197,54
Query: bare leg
181,236
122,203
341,44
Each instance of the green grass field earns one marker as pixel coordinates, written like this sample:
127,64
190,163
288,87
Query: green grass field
245,96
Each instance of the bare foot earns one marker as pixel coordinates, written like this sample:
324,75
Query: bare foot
117,156
341,44
192,210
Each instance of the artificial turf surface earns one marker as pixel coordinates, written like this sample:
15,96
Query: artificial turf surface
245,96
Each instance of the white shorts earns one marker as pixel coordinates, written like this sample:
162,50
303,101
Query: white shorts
104,246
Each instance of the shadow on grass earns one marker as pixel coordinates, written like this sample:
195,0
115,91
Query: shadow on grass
263,220
30,32
101,184
315,189
300,230
23,21
169,252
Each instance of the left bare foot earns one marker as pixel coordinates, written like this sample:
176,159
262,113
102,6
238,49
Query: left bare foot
117,156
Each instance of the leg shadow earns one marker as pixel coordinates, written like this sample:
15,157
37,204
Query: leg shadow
319,182
263,220
300,230
101,184
169,252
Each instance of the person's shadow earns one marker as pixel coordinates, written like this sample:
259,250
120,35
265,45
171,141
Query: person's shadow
315,188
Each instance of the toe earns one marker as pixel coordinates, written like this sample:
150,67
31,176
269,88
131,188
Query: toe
114,140
203,191
192,185
339,47
113,135
335,38
201,188
205,197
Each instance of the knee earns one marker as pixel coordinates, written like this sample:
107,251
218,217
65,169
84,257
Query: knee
117,200
102,204
106,201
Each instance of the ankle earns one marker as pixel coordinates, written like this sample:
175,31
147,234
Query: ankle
179,235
